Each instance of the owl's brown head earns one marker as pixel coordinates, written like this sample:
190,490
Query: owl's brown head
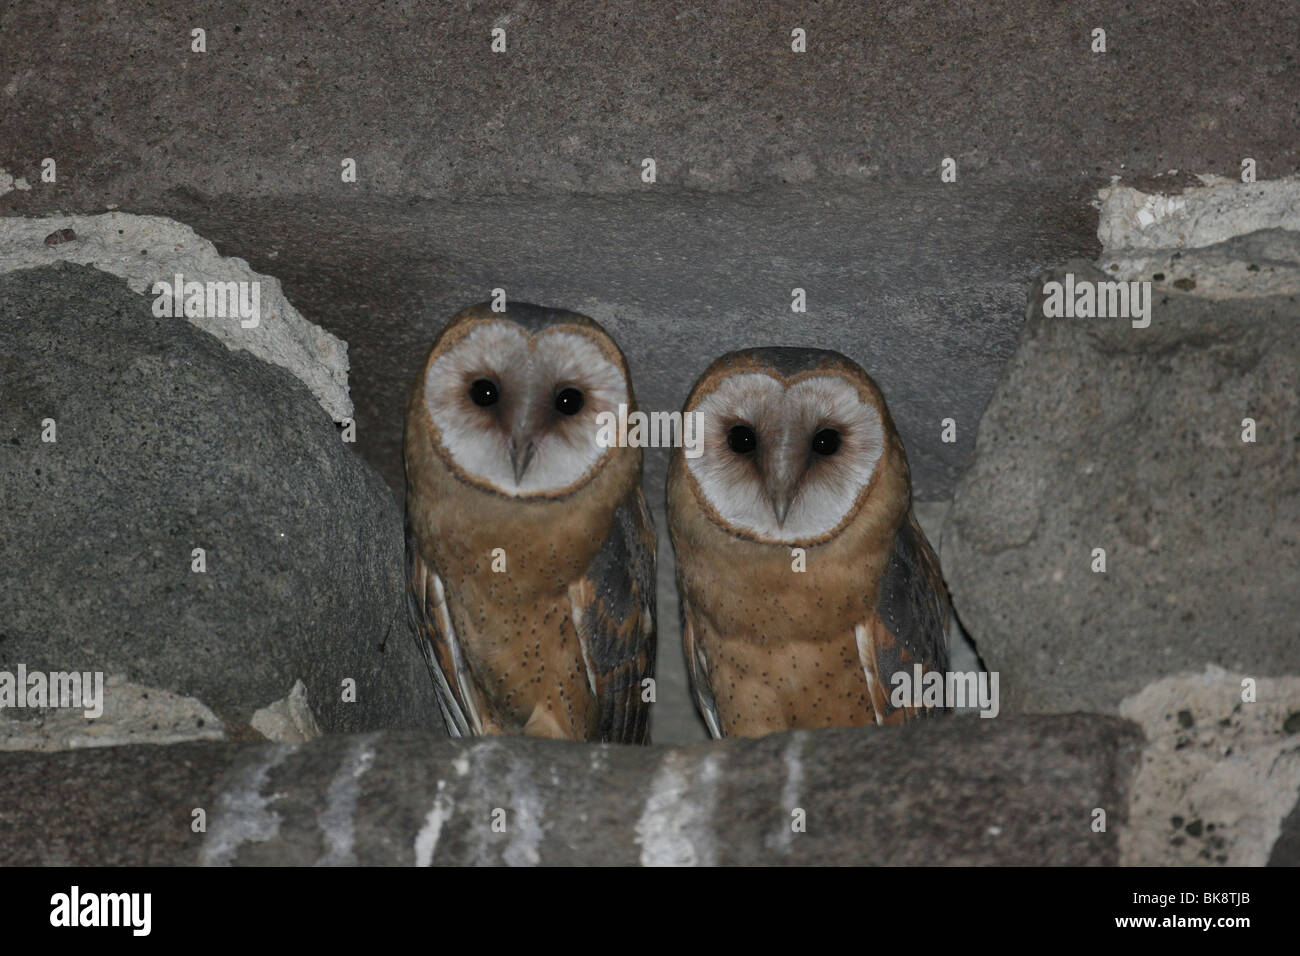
514,396
794,442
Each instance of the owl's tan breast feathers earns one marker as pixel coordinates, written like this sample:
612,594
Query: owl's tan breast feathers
515,624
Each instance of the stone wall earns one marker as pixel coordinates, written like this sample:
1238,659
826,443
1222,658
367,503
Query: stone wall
775,170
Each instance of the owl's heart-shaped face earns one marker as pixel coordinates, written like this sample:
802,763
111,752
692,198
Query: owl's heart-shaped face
786,459
515,410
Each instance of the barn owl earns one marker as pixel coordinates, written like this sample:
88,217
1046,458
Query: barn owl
805,581
529,549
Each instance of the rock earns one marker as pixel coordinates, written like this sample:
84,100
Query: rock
1286,852
289,720
167,442
1218,774
144,250
962,791
1101,435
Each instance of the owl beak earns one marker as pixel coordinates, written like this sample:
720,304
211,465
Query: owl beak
781,493
520,459
782,482
781,507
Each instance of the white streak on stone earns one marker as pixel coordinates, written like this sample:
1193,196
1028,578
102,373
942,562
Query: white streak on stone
338,820
793,757
426,841
485,784
676,825
524,821
243,814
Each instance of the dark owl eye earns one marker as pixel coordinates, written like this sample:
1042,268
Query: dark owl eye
826,442
741,439
568,401
484,392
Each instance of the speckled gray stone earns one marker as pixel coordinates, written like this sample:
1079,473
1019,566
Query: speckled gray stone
586,89
1101,435
166,442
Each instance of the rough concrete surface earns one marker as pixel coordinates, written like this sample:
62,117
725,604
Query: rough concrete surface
1101,435
955,792
588,88
166,441
1219,772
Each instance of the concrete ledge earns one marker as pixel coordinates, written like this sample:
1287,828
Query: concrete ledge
587,88
955,791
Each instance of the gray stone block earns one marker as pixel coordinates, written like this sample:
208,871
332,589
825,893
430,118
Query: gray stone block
166,442
956,791
586,89
1101,435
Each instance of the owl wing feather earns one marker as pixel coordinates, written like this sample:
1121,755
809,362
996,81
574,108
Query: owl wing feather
912,615
426,605
613,613
697,669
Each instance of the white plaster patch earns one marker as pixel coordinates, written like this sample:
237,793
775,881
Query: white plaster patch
484,779
426,841
1225,768
338,820
1263,263
525,814
147,249
243,813
676,825
792,756
133,714
1199,216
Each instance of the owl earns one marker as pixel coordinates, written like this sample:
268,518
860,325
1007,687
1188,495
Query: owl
529,549
805,581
